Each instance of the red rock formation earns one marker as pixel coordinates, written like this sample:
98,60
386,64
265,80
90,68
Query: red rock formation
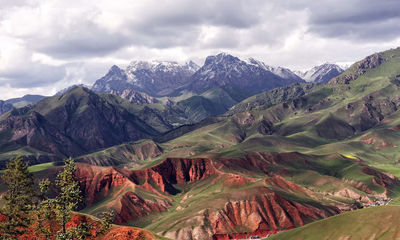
97,183
174,171
266,211
134,207
381,178
256,208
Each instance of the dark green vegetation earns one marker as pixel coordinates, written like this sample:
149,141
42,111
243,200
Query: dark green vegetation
27,214
19,200
372,223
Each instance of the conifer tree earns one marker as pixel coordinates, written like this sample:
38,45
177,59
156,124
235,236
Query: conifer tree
19,199
69,197
61,208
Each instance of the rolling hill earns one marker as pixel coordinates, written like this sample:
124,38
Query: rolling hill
320,140
278,160
352,225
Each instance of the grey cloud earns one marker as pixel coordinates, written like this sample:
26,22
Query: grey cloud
81,39
238,14
366,20
356,11
241,26
164,26
37,75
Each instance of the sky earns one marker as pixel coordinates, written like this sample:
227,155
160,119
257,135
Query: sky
47,45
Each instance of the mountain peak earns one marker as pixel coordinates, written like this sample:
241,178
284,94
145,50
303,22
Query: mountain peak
221,58
115,68
322,73
67,89
192,66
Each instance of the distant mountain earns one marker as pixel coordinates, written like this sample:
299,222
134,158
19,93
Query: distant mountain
25,100
226,70
322,73
9,104
156,78
166,78
75,123
194,93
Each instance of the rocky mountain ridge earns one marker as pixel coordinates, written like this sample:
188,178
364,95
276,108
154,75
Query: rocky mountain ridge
322,73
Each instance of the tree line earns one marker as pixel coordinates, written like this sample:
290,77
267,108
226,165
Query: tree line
45,209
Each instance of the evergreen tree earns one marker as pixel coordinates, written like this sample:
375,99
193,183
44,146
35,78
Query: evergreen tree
69,197
61,208
44,211
19,199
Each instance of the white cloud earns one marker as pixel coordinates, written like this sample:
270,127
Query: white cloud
46,45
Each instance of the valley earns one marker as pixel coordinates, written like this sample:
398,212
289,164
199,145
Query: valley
280,156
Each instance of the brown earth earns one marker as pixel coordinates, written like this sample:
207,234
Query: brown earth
135,194
116,232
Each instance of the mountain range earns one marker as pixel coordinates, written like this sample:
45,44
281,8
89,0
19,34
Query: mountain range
188,93
235,148
221,82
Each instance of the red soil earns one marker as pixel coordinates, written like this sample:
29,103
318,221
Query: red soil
128,233
258,210
117,232
267,211
96,183
380,178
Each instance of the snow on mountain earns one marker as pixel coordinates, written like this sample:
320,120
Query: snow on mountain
344,65
168,78
251,76
156,78
280,71
322,73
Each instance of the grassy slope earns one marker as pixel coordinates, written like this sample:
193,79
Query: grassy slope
128,154
296,128
371,223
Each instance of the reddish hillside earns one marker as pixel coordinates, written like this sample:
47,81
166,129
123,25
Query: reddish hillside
116,232
254,192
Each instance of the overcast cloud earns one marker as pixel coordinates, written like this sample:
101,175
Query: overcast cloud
46,45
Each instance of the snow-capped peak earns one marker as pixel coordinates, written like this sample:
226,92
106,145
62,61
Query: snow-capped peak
322,73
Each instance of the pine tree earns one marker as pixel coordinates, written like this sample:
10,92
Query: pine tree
61,208
69,197
19,199
45,211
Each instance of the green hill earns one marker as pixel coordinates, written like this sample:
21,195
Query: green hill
364,224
